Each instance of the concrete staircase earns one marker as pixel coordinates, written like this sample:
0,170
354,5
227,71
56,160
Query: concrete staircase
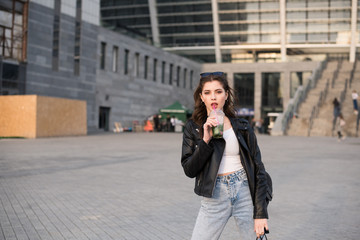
347,105
322,124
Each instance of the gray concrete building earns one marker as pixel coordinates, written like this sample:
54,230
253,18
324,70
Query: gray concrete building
64,52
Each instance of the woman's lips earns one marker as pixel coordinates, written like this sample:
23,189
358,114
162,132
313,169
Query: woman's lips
214,105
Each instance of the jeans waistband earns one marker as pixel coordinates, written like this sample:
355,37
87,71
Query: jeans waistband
238,175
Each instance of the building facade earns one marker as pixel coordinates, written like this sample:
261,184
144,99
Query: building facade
242,31
64,52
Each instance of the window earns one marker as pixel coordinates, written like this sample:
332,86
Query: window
272,91
154,70
163,72
170,74
178,76
77,38
56,36
146,66
102,55
115,59
137,64
191,79
244,87
185,74
126,62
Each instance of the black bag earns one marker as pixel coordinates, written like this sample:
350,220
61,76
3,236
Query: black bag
263,237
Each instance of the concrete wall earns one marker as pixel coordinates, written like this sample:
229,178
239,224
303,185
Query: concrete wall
258,68
41,79
131,96
33,116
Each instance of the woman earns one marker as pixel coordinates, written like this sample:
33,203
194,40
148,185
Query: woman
229,172
340,123
337,110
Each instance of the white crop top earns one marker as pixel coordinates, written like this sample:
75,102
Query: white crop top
230,161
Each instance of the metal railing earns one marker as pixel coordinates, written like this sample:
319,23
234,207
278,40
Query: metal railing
352,72
316,108
299,97
336,73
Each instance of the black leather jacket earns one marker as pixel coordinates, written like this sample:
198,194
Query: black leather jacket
202,161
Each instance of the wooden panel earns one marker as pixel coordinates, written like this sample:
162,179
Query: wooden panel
18,116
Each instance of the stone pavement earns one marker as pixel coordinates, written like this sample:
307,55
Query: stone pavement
132,186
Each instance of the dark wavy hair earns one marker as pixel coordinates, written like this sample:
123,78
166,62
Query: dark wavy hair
199,115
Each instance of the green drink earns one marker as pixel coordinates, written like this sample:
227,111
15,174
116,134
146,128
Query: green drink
219,128
218,131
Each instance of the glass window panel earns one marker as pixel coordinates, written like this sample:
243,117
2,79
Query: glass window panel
240,27
252,6
186,29
254,27
318,37
115,55
318,27
270,5
340,26
296,38
270,38
253,38
333,37
270,16
340,14
163,65
272,90
184,8
294,27
318,3
126,62
244,86
270,27
296,4
318,15
296,15
340,3
252,16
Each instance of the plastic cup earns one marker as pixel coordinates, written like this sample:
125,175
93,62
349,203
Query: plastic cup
219,129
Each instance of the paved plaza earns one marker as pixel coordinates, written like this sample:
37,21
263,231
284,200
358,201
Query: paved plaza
132,186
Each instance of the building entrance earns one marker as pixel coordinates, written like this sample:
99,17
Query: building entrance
104,116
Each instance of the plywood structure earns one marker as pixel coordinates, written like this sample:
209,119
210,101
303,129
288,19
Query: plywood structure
33,116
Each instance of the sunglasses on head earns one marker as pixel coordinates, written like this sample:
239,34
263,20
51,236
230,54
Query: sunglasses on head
205,74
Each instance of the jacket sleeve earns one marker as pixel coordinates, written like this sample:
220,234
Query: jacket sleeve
260,204
195,152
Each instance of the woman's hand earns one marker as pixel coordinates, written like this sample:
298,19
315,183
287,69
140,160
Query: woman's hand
210,122
259,226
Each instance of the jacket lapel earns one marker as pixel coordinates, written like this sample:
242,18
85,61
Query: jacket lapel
237,129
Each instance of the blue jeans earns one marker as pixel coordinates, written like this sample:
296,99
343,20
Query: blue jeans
231,197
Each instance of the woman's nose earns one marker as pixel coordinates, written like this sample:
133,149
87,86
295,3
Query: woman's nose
213,96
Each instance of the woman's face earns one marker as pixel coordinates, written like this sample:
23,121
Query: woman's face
213,93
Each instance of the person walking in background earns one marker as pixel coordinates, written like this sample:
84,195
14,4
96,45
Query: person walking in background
168,123
230,175
340,123
173,123
337,110
156,123
355,97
